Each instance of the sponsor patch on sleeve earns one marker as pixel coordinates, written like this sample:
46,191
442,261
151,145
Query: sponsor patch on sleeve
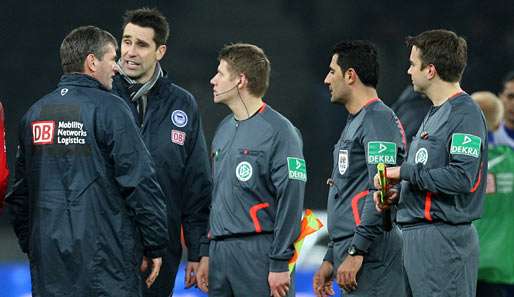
178,137
297,168
382,152
465,144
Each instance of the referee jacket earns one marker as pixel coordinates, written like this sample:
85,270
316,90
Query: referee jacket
259,181
373,135
445,174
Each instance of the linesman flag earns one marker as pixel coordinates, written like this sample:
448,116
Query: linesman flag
310,224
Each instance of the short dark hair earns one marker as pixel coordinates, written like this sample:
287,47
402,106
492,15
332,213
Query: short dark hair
149,18
250,60
447,51
362,56
81,42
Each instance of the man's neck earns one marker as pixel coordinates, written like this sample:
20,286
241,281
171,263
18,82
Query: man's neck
244,111
360,98
439,92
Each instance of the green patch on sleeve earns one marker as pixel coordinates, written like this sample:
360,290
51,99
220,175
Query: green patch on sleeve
297,168
382,152
465,144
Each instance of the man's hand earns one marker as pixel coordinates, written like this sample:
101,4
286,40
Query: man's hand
392,197
191,271
202,275
156,267
347,272
393,177
322,280
279,283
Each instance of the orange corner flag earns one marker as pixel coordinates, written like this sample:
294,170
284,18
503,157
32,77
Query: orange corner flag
310,224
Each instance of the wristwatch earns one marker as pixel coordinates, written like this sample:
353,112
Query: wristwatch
353,251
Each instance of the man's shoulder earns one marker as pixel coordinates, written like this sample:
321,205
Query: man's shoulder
464,108
278,122
175,92
108,102
379,112
464,102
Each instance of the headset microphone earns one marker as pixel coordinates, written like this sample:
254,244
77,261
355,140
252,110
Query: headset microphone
224,92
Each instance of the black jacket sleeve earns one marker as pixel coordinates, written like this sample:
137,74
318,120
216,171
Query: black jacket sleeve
290,192
197,191
136,177
460,173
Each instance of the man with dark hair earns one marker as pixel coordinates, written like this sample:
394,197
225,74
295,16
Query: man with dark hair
171,128
4,171
365,258
505,133
443,179
259,177
85,204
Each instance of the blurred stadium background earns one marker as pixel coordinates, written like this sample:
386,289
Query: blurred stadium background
296,35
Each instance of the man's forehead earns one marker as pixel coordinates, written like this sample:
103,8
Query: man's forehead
138,32
333,61
224,66
415,52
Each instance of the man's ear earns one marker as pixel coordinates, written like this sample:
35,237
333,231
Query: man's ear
90,63
350,76
161,51
432,72
243,81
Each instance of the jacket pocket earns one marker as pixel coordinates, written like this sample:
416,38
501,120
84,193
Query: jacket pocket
345,156
431,152
248,168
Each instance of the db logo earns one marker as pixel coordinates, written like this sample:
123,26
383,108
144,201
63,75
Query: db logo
43,132
178,137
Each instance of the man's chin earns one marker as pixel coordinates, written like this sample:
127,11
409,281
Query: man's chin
132,74
335,100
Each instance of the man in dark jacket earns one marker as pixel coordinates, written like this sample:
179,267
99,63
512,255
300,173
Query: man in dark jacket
4,171
171,129
86,205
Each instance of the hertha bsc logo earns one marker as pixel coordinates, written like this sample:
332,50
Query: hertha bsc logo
43,132
179,118
343,161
